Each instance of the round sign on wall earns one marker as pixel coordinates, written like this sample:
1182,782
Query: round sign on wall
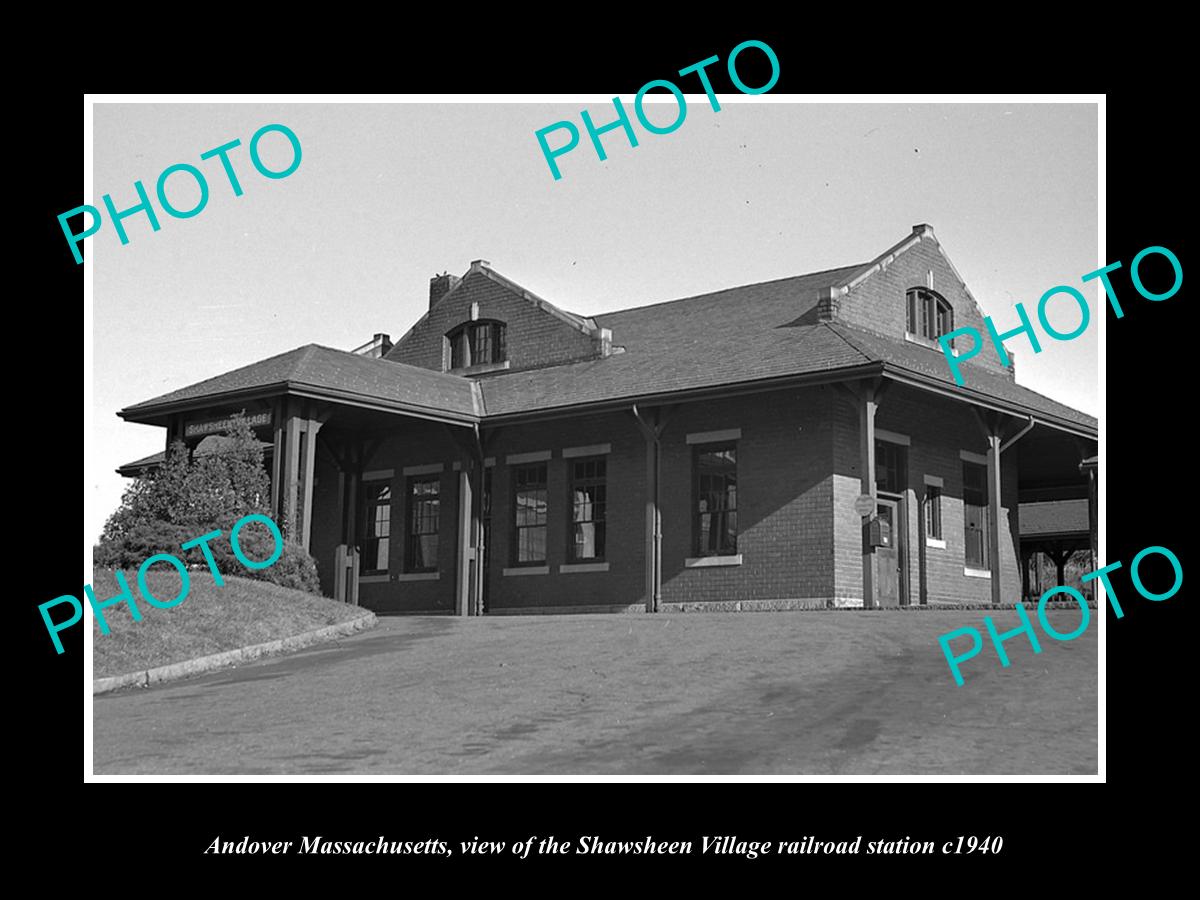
864,505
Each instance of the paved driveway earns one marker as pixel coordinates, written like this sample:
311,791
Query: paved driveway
710,693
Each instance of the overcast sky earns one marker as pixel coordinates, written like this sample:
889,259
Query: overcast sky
388,195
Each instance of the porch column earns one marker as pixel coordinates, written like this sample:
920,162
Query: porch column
174,430
867,408
462,596
652,430
280,408
993,477
311,426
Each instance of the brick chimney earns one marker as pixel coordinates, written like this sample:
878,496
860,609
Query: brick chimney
440,286
829,302
375,348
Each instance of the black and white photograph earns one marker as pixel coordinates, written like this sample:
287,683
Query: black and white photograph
517,437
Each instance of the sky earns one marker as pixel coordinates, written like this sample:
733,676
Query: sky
388,195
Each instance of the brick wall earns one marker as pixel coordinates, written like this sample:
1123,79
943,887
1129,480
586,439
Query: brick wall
784,500
534,337
798,534
938,430
879,305
624,582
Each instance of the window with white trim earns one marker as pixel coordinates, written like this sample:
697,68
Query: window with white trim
929,315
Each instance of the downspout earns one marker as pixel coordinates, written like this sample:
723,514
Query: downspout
653,512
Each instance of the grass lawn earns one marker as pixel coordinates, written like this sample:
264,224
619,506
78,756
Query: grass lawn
210,620
823,692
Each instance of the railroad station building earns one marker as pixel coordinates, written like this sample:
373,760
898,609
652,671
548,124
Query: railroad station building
794,443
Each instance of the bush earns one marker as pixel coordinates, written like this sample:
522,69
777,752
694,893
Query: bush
186,498
138,542
295,568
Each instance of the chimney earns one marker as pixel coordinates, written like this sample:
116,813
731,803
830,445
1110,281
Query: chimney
440,286
923,229
829,303
376,348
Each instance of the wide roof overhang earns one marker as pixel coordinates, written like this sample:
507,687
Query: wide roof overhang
875,369
160,413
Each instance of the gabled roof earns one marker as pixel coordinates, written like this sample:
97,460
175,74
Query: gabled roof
313,370
757,332
741,334
754,335
482,267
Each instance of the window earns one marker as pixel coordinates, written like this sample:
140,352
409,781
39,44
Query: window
377,505
715,506
588,501
975,514
889,467
933,512
476,344
929,315
423,509
529,515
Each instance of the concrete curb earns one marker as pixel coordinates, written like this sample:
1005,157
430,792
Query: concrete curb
203,664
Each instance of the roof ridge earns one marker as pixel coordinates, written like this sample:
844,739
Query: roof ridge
735,287
381,359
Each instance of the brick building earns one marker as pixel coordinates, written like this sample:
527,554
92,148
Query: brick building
794,443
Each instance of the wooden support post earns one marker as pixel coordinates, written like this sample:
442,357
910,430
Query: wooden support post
290,476
867,407
311,427
993,477
277,460
463,579
652,431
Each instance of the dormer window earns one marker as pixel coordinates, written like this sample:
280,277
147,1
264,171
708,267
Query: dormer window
929,315
476,344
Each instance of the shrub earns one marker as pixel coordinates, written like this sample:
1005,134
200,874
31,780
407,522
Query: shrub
186,498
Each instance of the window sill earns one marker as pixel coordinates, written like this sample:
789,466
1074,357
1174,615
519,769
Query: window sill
925,342
937,544
418,576
481,369
583,567
705,562
977,573
374,579
528,570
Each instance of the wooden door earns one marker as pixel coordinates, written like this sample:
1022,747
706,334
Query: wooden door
887,556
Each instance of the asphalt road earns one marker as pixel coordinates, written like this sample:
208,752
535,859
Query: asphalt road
710,693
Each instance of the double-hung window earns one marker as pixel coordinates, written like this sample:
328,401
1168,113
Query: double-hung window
715,499
975,515
529,515
588,502
424,508
933,512
377,507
